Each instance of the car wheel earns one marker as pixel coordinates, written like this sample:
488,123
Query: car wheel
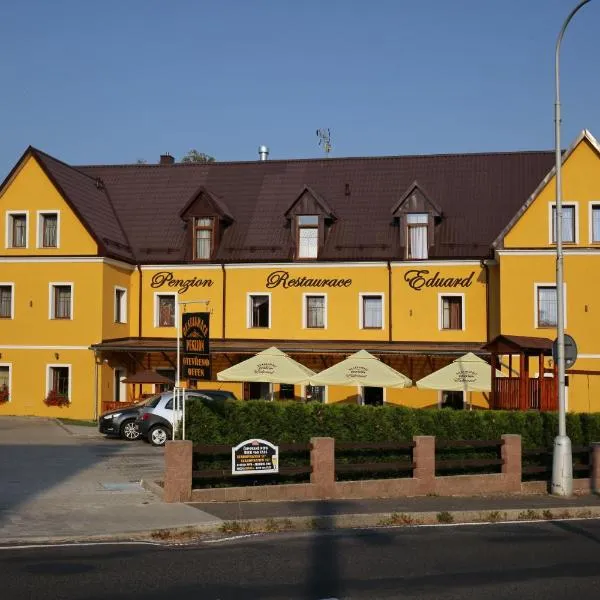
130,431
158,435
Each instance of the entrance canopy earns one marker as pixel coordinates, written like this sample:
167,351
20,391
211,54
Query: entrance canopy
269,366
468,373
361,369
147,377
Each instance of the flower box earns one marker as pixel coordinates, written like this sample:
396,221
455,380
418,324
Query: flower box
55,399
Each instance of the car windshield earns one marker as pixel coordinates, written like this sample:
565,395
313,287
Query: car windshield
150,402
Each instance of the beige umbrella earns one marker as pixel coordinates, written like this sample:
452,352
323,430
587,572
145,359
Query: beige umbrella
269,366
468,373
363,370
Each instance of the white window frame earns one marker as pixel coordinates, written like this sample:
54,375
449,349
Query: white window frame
441,311
249,295
305,297
49,366
40,229
325,392
565,203
361,295
12,299
8,241
51,287
10,390
591,206
539,284
123,307
156,316
300,227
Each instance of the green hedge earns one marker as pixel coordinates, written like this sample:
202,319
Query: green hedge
230,422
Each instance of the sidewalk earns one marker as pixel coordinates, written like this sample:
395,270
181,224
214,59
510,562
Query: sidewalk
69,483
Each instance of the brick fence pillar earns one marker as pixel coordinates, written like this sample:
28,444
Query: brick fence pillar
322,460
178,471
512,467
595,468
424,459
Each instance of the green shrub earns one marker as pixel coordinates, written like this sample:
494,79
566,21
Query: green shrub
230,422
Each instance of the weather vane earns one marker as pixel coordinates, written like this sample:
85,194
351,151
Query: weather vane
324,136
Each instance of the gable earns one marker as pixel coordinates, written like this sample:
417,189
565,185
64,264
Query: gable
415,200
205,204
29,190
309,202
531,227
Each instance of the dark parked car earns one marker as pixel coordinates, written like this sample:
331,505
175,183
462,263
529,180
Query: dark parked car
155,422
121,422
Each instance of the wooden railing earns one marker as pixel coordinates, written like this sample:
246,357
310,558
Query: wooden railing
506,394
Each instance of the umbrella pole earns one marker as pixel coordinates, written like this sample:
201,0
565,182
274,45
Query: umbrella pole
470,400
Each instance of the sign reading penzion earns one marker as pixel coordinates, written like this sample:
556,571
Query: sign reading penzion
166,278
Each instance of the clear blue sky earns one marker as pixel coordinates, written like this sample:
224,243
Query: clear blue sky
117,81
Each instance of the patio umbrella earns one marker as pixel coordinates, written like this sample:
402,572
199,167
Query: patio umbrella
269,366
363,370
468,373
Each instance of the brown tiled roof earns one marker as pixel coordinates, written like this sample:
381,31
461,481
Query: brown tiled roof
90,202
519,343
137,214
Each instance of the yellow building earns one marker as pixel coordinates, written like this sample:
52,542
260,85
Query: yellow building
417,259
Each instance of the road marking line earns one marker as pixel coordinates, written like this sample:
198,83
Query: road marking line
72,544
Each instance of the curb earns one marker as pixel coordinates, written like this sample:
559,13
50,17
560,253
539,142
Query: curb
219,529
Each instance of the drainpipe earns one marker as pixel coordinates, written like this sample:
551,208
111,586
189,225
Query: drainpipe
139,268
484,264
95,386
389,268
224,288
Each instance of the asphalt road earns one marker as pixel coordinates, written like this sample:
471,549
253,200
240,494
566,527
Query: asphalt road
544,560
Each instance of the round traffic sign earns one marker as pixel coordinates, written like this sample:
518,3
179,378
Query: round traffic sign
570,351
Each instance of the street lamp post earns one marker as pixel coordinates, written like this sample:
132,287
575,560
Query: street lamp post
562,463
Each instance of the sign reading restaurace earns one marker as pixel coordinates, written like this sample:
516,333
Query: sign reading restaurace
195,334
254,457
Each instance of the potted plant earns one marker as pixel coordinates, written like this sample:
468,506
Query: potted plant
4,393
53,398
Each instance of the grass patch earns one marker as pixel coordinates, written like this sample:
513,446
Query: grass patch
528,515
494,516
445,517
83,422
235,527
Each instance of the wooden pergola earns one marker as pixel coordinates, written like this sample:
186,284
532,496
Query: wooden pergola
520,391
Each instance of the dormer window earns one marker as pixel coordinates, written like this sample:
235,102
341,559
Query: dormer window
203,237
416,235
308,236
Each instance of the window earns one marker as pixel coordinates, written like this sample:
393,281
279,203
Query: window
546,306
452,312
203,237
569,229
452,399
416,235
286,391
61,301
371,311
59,380
5,382
16,230
308,236
315,393
595,223
48,230
164,315
259,310
314,311
6,301
120,305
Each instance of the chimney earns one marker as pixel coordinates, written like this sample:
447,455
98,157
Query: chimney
166,159
263,152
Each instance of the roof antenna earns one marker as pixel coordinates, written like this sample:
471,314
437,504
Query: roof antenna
324,136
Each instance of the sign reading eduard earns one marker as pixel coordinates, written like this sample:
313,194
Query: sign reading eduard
195,332
254,456
166,278
419,278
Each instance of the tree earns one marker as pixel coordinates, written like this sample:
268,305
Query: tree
193,156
